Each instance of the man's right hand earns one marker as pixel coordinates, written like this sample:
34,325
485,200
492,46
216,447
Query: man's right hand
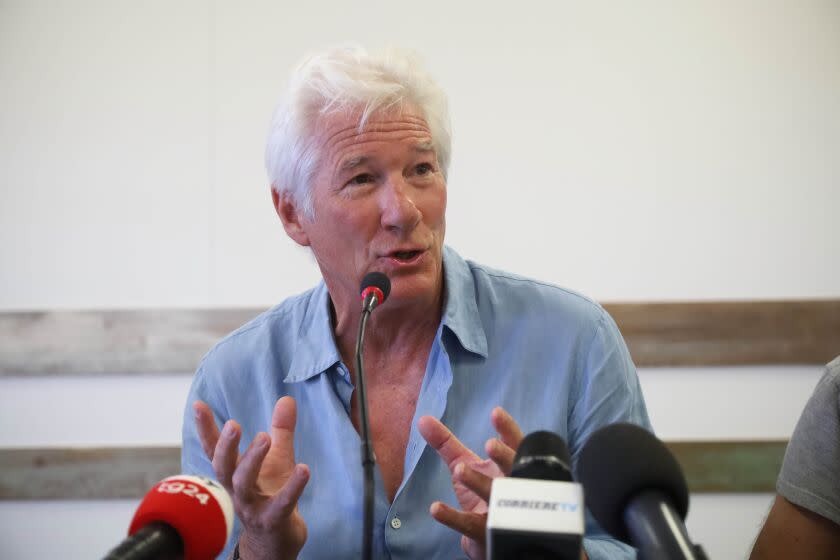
265,482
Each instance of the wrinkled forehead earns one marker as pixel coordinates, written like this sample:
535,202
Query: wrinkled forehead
339,131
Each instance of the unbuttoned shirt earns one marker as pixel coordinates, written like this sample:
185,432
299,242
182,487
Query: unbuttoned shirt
553,359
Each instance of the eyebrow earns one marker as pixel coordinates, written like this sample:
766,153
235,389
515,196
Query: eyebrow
422,147
352,162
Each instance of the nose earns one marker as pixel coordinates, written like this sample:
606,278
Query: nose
398,205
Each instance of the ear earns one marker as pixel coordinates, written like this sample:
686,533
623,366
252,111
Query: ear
292,219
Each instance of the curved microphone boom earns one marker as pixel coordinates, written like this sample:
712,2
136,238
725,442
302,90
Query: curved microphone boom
181,517
637,492
374,291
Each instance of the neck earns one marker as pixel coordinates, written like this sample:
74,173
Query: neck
394,334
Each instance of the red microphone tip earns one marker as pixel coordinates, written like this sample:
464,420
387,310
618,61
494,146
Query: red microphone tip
377,293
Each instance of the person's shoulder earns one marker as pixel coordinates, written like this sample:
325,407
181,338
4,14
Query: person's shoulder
275,325
523,293
832,371
827,392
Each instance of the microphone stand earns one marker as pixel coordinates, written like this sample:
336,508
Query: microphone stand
368,458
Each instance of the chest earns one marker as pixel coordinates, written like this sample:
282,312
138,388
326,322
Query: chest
391,408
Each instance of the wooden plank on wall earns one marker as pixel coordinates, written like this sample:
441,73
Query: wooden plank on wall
658,334
112,342
730,333
82,474
730,466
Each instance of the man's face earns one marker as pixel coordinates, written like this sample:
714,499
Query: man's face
380,199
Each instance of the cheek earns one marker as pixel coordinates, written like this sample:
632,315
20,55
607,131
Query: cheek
347,226
436,207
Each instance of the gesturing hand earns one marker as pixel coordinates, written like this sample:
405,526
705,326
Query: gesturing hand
472,476
265,482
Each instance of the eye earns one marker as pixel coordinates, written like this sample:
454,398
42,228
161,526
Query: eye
361,179
424,169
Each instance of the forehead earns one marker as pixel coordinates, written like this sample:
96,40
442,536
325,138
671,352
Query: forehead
340,136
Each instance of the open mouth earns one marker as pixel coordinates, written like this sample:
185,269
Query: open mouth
405,256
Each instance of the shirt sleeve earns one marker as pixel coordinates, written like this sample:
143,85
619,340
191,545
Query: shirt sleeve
193,459
607,391
809,471
607,548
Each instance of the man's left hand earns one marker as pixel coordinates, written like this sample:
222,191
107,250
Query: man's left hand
472,476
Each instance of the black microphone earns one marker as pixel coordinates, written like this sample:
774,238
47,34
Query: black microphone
374,291
536,512
637,492
542,455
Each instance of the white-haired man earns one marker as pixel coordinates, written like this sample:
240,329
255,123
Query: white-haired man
357,157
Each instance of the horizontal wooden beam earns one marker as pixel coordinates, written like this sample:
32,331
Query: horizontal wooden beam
109,473
658,334
730,466
84,473
112,342
730,333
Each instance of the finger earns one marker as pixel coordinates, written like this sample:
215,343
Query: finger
509,431
472,525
283,427
226,453
444,442
474,480
501,454
285,501
245,477
474,550
208,432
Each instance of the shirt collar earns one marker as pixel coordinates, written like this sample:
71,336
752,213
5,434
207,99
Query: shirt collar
460,309
316,351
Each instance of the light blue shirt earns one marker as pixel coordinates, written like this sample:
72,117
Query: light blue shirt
553,359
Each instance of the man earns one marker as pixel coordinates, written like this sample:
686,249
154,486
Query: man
358,157
804,521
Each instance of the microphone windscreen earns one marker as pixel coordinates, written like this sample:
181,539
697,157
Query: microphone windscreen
620,461
376,280
544,456
199,509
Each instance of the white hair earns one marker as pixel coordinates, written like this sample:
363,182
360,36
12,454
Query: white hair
347,79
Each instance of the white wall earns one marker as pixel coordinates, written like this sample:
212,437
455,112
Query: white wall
634,151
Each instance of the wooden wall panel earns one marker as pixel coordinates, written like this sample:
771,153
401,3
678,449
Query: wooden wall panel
79,474
730,333
84,473
173,341
730,466
112,342
658,334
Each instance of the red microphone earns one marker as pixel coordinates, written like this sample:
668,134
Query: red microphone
182,516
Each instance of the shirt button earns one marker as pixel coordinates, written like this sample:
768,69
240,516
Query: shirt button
396,523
